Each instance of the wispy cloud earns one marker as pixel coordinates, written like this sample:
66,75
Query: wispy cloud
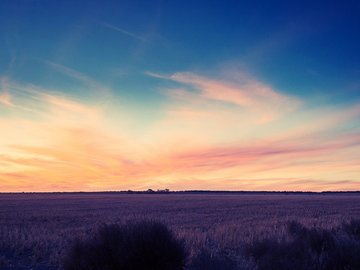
209,135
67,140
5,97
81,77
247,93
124,32
221,122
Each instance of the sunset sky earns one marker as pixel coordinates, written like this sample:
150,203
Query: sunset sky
215,95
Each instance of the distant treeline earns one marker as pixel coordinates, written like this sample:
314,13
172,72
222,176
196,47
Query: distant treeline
167,191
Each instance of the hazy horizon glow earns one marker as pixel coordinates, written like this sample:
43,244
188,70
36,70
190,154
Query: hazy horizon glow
74,119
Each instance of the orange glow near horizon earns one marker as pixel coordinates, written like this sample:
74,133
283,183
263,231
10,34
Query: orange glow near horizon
211,134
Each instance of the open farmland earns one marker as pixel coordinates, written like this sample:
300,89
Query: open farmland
37,229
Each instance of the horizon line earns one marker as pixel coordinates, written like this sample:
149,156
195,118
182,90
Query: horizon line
162,191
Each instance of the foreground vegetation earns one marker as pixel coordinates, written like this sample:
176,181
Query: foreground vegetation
53,231
151,245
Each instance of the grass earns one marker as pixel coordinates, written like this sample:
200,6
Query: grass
309,249
38,229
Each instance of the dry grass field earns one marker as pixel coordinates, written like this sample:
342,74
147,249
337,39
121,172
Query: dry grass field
36,230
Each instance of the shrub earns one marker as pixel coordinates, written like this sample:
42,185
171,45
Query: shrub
134,246
295,228
308,249
272,255
352,228
206,261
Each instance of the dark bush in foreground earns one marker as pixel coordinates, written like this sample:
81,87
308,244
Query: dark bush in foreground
137,246
151,246
206,261
353,228
309,249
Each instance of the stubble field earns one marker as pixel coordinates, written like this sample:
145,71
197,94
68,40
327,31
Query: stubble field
36,230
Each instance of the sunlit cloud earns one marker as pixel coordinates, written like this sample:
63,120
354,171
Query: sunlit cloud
5,97
211,134
245,92
66,141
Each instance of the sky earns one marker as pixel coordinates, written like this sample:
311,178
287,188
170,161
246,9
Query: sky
211,95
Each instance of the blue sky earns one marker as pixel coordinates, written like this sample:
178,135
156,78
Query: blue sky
296,46
152,64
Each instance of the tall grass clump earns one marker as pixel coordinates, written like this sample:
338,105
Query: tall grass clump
210,261
134,246
352,228
309,249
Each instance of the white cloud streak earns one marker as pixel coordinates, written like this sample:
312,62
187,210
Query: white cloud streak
123,31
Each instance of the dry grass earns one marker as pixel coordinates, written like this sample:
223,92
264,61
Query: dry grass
37,229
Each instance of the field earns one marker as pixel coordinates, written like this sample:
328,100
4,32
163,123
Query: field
36,230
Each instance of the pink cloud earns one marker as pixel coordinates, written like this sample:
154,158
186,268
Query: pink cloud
209,135
247,93
5,99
